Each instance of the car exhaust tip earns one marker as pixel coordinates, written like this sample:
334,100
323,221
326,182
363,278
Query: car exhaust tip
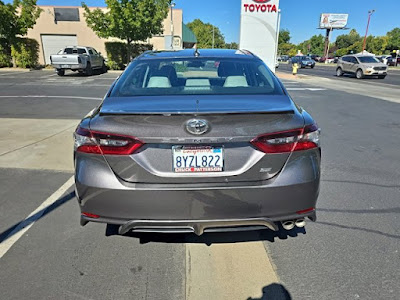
288,225
300,223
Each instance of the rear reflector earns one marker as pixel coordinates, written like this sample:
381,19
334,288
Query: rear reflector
95,142
90,215
288,141
300,212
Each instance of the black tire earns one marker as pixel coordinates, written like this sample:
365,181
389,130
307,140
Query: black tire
381,76
339,72
60,72
312,67
88,70
359,74
104,68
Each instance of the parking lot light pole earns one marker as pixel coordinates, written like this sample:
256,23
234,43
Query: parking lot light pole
172,26
370,12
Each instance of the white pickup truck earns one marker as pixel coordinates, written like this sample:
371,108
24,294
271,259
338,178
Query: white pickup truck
77,58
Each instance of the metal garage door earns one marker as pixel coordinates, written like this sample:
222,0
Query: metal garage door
53,43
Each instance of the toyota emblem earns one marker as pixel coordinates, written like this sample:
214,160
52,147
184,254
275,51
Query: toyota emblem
197,126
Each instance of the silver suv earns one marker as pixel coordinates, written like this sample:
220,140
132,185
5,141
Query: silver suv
361,66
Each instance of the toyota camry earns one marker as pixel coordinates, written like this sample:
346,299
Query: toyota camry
197,141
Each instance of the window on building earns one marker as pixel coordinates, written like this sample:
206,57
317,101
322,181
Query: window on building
66,14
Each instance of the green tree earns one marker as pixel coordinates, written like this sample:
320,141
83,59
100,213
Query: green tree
204,34
315,45
129,20
284,37
393,39
232,45
15,20
284,45
287,48
376,45
347,40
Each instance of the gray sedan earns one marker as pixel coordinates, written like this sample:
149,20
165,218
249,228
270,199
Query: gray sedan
197,141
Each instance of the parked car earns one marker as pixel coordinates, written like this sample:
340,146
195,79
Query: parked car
77,58
315,57
384,59
303,61
392,61
283,58
175,148
361,66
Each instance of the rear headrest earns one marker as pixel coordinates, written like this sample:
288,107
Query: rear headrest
236,81
227,68
159,82
170,72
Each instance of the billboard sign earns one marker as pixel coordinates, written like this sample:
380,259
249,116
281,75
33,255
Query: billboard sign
259,29
333,20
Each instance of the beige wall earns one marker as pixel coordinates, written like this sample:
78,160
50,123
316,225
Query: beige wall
86,37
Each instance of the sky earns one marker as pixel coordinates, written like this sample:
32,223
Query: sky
299,17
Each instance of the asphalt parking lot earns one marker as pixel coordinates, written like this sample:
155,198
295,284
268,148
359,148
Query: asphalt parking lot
329,71
351,252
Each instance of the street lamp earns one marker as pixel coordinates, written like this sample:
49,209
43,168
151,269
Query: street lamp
370,12
172,26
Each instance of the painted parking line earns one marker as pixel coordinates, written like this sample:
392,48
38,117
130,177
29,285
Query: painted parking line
305,89
28,222
62,97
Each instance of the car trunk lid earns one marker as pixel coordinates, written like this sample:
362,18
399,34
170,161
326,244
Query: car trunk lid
161,123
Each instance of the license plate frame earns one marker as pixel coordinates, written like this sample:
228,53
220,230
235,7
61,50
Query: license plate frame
66,66
192,159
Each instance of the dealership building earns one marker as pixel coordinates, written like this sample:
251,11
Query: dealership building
58,27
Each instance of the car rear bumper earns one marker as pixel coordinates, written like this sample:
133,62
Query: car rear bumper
67,66
198,208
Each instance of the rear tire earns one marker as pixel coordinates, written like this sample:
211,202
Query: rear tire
88,70
104,68
381,76
60,72
359,74
339,72
312,67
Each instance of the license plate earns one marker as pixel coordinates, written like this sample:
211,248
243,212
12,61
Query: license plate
380,72
187,159
66,66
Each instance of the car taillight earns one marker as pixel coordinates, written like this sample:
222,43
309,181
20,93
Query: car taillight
288,141
95,142
79,60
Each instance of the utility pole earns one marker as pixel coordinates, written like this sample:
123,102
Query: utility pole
370,12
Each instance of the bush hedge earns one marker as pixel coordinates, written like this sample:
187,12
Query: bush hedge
25,52
5,54
117,53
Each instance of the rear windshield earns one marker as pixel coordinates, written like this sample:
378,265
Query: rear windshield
74,51
367,59
196,76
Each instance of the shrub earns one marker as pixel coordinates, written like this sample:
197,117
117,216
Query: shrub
5,54
117,53
25,52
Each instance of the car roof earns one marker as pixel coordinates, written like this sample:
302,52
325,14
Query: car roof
190,53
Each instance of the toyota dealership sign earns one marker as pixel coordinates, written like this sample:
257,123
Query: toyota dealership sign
259,29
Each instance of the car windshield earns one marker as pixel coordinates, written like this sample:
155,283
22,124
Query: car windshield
367,59
151,77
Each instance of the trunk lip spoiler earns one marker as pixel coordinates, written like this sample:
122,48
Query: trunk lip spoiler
116,113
